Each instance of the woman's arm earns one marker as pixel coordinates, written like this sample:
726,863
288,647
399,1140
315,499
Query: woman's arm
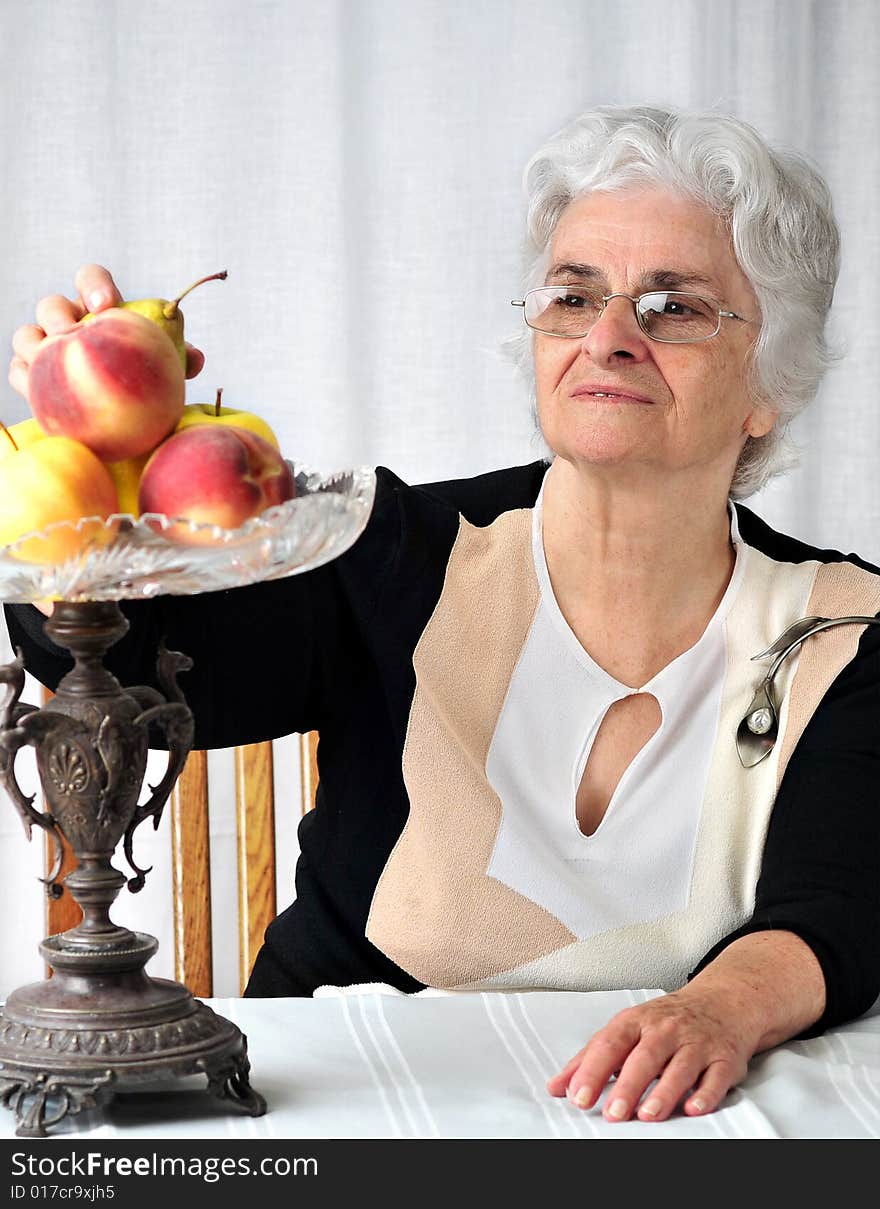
262,655
761,990
808,959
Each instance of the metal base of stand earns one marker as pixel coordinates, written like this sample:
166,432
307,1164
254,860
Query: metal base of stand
100,1025
63,1050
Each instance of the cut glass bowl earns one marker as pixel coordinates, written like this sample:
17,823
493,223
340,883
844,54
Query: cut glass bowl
126,558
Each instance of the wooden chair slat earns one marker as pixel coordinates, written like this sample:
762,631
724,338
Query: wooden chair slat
191,877
308,758
255,814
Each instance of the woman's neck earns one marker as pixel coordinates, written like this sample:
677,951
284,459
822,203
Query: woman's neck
638,569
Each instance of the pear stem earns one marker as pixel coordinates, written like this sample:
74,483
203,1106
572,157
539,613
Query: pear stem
11,437
217,400
169,310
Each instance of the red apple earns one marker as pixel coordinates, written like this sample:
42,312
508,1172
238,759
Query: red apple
115,384
214,474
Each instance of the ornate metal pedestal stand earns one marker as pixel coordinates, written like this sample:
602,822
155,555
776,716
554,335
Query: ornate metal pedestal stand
100,1025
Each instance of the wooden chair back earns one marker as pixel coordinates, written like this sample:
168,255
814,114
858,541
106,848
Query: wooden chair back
191,860
191,865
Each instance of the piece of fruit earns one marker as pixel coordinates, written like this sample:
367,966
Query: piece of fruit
127,477
19,436
53,479
213,413
214,475
115,384
167,315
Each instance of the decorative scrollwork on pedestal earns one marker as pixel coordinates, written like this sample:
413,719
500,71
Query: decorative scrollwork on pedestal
32,1096
230,1081
175,719
68,768
147,1039
12,737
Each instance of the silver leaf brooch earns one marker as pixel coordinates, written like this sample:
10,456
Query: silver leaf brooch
756,735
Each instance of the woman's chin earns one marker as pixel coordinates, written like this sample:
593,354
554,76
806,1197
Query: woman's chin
602,450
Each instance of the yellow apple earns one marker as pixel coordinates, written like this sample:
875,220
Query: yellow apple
126,474
53,479
213,413
19,436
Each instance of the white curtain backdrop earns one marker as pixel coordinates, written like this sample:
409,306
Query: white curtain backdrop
355,165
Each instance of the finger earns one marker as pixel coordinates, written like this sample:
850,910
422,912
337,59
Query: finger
605,1054
97,289
681,1074
195,360
647,1062
58,314
558,1085
718,1078
18,375
26,340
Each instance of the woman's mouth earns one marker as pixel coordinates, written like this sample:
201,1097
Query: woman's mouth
612,396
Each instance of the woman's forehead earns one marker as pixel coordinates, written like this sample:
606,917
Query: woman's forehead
656,237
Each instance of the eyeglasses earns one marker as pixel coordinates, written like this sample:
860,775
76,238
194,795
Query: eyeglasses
571,311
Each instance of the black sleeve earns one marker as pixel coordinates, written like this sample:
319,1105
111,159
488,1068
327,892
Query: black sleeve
253,651
820,875
269,659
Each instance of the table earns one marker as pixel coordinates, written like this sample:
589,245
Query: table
372,1063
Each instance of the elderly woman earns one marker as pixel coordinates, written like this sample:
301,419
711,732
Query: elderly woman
546,756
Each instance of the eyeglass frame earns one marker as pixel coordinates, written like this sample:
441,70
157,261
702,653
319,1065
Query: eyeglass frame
606,298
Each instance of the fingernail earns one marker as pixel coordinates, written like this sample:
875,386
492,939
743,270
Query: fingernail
96,300
651,1108
618,1109
698,1105
582,1099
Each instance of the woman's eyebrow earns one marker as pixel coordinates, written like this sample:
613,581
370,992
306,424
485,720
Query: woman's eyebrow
652,279
676,279
568,269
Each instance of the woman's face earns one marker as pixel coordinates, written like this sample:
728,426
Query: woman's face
677,406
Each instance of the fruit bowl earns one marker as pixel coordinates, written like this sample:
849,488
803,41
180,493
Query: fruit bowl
124,557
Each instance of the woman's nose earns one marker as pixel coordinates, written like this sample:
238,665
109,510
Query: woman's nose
616,333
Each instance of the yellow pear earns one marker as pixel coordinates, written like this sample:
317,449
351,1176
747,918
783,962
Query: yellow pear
167,315
127,477
213,413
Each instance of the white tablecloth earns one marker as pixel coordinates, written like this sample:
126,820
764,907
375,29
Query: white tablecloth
381,1065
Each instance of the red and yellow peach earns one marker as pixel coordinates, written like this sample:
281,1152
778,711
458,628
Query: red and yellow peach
214,474
115,384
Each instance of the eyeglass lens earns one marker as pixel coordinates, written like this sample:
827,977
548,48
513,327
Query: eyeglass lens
572,311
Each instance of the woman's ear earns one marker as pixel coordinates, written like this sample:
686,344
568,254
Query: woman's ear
760,420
